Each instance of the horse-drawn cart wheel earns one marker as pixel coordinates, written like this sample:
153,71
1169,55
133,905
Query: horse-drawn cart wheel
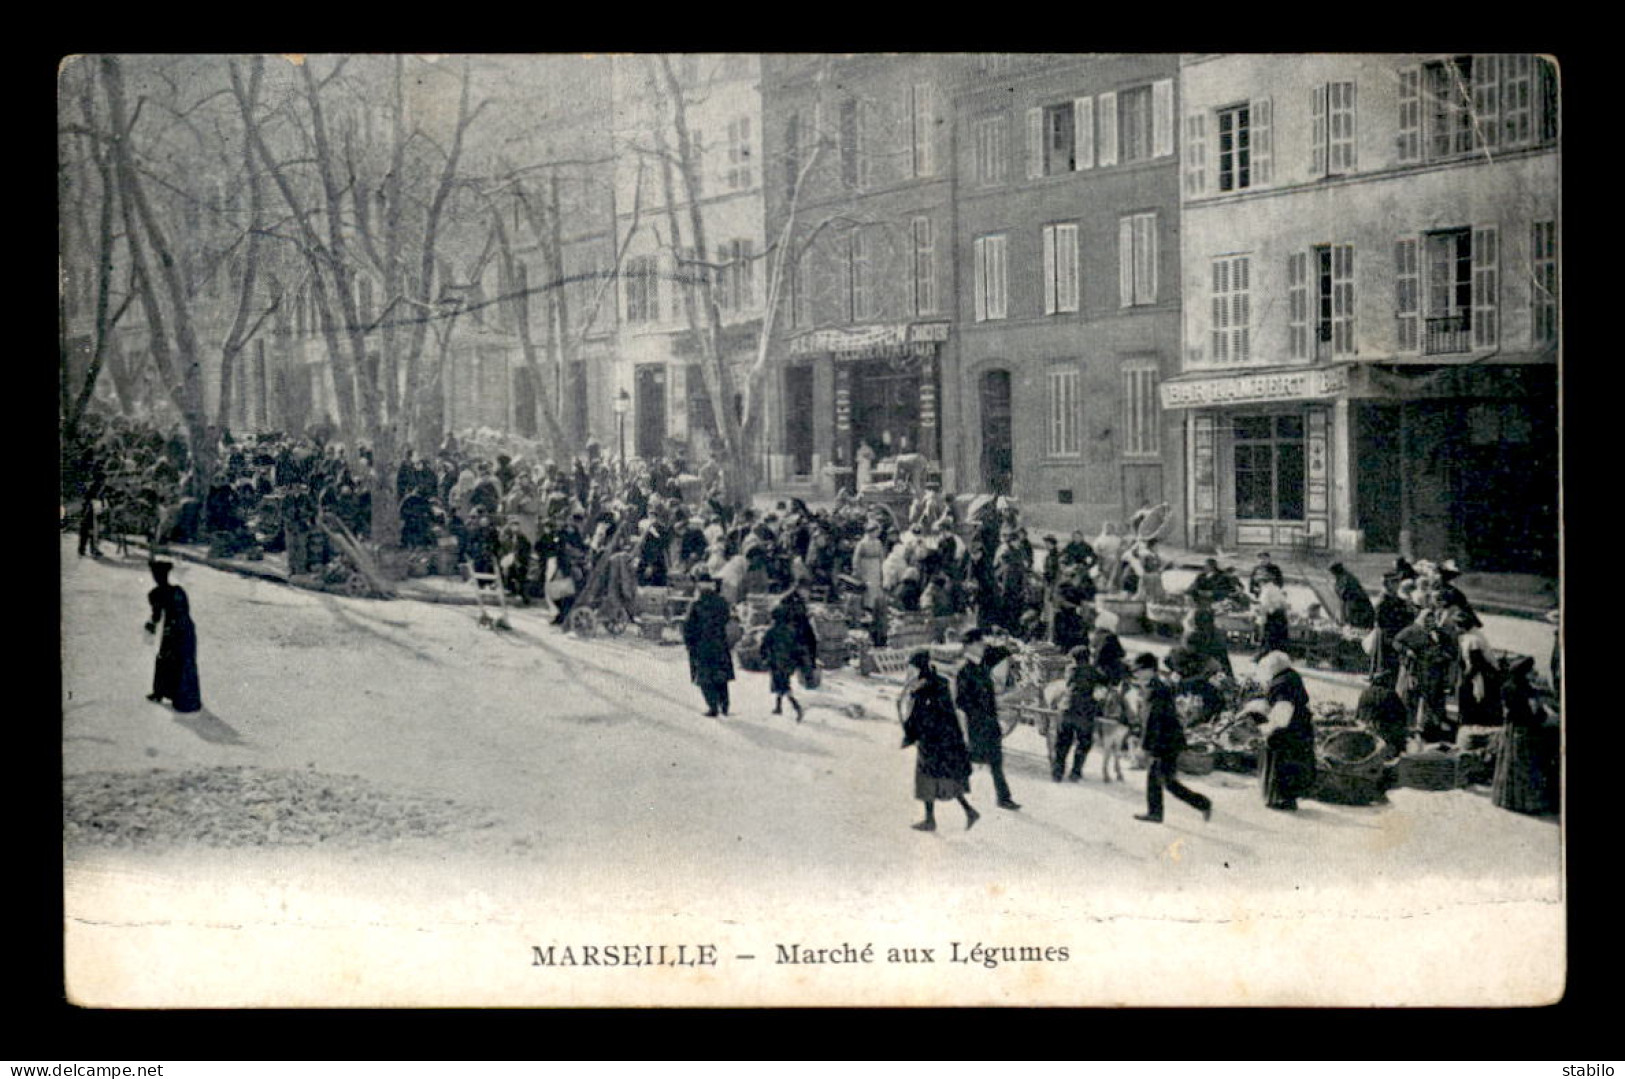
583,622
356,585
615,624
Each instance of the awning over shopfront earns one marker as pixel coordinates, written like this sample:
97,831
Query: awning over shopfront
1255,386
897,340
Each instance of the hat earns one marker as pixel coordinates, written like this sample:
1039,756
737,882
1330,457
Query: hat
971,636
920,660
1335,567
1448,568
1145,661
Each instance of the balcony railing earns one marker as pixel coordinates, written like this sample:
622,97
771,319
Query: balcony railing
1451,333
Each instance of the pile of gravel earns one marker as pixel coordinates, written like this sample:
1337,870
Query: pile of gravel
249,807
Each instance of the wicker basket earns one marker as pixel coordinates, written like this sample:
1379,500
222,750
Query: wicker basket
1352,752
1429,772
1168,614
1239,761
1340,788
1197,761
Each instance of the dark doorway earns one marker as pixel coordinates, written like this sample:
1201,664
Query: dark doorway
1377,480
524,402
996,432
798,418
1506,486
651,410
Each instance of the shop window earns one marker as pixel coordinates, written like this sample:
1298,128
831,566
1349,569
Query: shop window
1269,467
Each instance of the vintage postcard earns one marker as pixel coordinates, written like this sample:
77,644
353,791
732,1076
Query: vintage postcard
759,530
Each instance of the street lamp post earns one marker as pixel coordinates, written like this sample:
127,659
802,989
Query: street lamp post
623,402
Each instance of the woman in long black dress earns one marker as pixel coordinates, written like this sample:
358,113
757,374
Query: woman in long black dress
174,675
942,763
1526,767
1287,763
785,653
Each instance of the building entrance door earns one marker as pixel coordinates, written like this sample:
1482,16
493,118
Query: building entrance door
651,407
1377,483
885,409
997,441
798,418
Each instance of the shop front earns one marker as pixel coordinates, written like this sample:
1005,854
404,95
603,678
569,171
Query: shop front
856,399
1431,462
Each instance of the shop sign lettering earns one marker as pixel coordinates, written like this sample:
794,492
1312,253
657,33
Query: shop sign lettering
1244,389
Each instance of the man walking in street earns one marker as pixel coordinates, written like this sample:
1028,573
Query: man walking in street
973,696
1164,741
710,655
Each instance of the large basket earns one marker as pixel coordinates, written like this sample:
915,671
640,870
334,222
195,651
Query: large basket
1167,614
1242,762
1352,752
1340,788
1197,761
1429,772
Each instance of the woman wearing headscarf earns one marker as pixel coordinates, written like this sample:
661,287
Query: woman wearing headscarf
1382,712
1526,768
1272,605
1202,634
1287,763
1109,550
868,560
1108,656
174,673
942,760
1394,615
1427,672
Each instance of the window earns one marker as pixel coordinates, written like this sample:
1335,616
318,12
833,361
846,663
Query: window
925,267
1231,311
642,290
685,276
1478,102
1407,285
991,150
1142,417
1269,468
852,164
861,302
1332,129
1297,291
1060,268
737,279
1137,259
1235,148
1463,290
1543,289
1134,124
739,154
1058,139
989,278
1065,436
1333,304
924,116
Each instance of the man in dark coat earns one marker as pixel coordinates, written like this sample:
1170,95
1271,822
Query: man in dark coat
942,764
1164,740
974,696
174,674
710,657
1076,727
1394,614
1351,595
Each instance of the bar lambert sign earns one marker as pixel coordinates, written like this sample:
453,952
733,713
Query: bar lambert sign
1246,389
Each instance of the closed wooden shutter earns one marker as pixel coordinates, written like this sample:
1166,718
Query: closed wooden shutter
1408,143
1125,261
1297,280
1195,153
1407,293
1066,267
1162,117
1221,311
1083,137
1049,269
998,295
1145,258
1263,139
1343,300
1486,287
1106,148
1340,128
979,274
1486,101
1317,136
1035,143
925,124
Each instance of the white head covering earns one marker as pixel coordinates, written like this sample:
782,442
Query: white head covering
1273,664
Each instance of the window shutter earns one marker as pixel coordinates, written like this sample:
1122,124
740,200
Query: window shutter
1196,153
1125,261
1407,292
1049,270
1343,300
1487,100
1409,141
1145,261
997,307
1162,117
1106,147
979,284
1221,311
1317,137
1083,133
1035,143
1297,274
1486,287
1066,247
1263,143
924,130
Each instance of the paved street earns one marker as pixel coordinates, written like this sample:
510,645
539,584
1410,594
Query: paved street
592,782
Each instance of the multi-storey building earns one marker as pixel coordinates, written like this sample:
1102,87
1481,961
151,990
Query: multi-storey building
663,268
1068,281
859,187
1370,325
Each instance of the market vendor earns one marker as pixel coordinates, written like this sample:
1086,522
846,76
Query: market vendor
1287,764
1382,712
1356,605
